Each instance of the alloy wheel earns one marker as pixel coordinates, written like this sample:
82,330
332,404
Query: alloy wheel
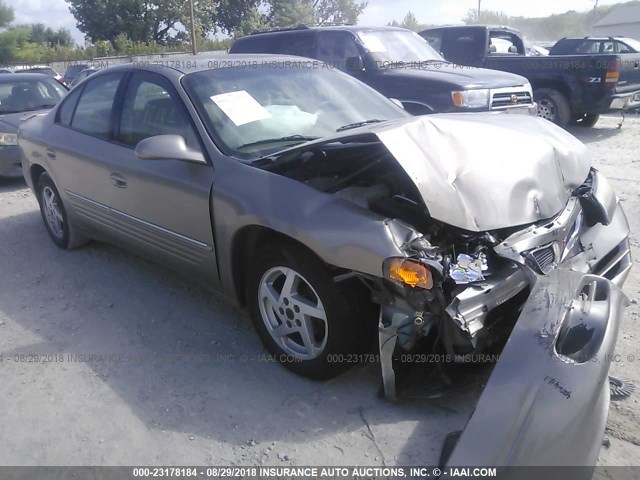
293,313
53,212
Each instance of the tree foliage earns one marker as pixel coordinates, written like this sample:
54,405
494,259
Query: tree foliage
490,17
410,21
553,27
6,14
289,13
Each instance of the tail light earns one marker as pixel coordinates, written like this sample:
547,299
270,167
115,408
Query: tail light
613,74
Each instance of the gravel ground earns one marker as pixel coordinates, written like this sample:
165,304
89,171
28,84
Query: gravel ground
178,377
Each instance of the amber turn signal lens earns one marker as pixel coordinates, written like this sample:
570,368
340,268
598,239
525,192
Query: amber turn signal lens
458,99
409,272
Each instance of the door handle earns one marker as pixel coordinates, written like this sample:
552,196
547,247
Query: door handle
51,154
118,180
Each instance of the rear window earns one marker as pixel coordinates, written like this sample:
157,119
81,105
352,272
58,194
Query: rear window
257,44
20,95
576,47
298,44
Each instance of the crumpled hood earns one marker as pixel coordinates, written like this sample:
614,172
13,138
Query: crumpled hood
483,172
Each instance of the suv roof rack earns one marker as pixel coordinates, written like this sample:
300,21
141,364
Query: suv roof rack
301,26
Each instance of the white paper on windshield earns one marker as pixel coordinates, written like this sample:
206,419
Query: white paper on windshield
372,42
240,107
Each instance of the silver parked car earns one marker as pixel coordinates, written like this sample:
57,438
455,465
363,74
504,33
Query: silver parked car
335,216
22,95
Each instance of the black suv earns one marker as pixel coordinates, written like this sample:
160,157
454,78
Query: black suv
400,65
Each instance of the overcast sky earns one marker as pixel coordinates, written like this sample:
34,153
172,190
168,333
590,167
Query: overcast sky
55,13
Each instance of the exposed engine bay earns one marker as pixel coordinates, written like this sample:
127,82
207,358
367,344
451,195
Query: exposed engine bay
465,289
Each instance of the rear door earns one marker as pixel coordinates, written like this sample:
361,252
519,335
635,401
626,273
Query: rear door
161,207
81,149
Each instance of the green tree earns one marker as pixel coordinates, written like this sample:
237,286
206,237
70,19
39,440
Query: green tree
45,35
338,11
409,21
12,41
6,14
289,13
490,17
157,21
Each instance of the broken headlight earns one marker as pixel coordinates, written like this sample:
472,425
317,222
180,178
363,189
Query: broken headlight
408,272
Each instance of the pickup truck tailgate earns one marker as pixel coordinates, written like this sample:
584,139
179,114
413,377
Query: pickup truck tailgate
629,73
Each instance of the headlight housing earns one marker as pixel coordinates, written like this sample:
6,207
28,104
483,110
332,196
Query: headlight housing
8,139
471,98
408,272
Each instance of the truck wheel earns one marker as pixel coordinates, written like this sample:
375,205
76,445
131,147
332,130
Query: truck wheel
586,120
553,106
305,320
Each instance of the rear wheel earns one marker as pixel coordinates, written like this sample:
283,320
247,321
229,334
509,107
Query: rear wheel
553,106
54,215
586,120
307,321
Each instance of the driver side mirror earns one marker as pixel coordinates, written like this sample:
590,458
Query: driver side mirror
167,147
355,64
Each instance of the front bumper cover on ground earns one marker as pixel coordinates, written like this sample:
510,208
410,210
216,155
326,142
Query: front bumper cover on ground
541,407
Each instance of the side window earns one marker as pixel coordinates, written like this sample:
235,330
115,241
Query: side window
588,47
465,46
622,48
434,38
334,48
93,113
150,108
65,112
300,44
608,47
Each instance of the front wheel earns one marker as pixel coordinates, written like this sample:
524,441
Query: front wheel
553,106
304,319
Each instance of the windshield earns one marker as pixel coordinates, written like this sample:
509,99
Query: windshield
19,95
397,46
635,44
251,112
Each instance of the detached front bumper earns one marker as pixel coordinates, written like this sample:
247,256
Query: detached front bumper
547,399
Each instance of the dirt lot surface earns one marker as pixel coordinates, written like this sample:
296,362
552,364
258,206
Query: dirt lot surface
145,367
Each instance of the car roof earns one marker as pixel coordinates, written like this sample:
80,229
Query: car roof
24,76
198,63
315,28
488,27
593,38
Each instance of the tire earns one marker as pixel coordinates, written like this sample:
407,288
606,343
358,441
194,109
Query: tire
54,215
553,106
586,120
314,346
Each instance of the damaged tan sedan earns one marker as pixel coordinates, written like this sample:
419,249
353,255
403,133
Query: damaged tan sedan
336,217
